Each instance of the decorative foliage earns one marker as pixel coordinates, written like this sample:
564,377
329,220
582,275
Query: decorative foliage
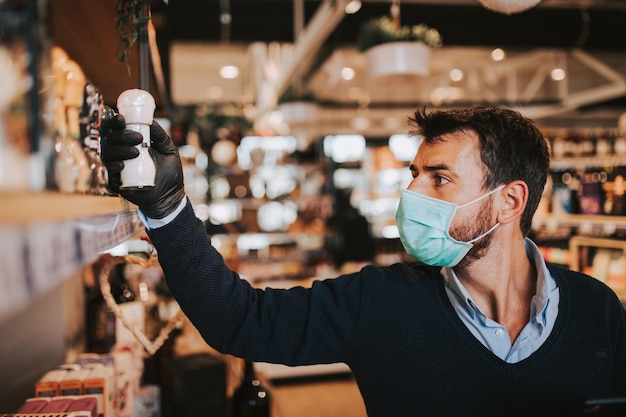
215,122
127,20
383,30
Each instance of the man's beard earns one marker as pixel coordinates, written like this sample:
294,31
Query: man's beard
467,232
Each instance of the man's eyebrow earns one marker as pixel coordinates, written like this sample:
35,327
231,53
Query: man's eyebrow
437,167
433,168
430,168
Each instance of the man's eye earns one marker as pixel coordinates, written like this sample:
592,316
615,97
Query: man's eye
439,180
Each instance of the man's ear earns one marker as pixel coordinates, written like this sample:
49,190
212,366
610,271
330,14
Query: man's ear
514,198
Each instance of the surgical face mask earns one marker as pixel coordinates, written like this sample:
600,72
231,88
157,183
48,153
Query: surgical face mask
424,223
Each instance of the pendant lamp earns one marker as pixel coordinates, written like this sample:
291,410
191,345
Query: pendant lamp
509,6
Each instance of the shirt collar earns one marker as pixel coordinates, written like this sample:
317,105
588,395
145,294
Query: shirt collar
540,301
458,290
545,284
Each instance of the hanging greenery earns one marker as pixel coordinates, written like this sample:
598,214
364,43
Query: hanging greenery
381,30
128,19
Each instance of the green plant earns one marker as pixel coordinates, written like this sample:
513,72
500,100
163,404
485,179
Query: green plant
128,18
383,30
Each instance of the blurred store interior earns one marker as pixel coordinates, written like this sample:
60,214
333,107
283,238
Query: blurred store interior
294,155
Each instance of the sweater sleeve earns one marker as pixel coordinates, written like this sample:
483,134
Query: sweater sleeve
297,326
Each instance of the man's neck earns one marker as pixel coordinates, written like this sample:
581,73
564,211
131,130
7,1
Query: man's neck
502,284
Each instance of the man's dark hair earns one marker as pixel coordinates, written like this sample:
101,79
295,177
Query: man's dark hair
511,146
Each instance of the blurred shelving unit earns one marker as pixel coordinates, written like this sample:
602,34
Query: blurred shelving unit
603,258
586,224
46,237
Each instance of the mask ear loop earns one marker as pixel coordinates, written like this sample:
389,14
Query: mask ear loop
482,196
476,239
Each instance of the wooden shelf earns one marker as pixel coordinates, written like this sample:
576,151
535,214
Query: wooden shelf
22,208
584,162
587,224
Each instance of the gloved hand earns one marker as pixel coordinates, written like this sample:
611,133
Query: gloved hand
119,144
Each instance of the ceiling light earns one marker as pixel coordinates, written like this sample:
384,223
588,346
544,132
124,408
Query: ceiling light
225,18
353,7
498,54
456,74
229,72
347,73
557,74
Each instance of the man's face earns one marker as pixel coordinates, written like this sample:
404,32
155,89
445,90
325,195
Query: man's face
451,170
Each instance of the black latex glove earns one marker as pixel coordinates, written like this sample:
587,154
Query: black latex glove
119,144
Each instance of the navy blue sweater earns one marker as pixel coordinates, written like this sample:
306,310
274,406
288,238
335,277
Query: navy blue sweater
395,328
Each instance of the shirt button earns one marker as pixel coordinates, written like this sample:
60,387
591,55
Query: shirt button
499,332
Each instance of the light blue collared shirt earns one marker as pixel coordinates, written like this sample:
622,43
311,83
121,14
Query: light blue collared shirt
543,312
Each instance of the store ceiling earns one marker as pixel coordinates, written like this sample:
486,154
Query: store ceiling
588,36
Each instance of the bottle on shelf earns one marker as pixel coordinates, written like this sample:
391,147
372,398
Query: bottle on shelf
564,192
74,90
90,120
251,398
71,172
615,203
592,195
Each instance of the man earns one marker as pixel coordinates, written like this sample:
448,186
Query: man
481,325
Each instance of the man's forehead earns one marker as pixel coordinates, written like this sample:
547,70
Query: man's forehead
450,145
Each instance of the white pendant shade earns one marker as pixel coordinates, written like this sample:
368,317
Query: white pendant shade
509,6
398,58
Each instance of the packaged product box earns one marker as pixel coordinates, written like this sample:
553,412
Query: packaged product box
49,384
85,404
72,382
57,405
33,405
100,382
95,358
127,379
